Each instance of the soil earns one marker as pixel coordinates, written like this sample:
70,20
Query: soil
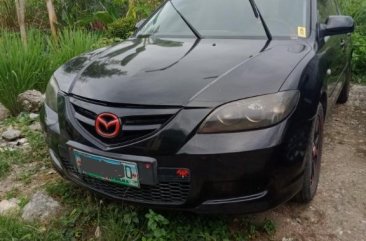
338,212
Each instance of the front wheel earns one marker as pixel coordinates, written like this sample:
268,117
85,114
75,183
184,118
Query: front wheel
313,159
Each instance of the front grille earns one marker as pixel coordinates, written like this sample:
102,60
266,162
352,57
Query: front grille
136,123
174,193
166,192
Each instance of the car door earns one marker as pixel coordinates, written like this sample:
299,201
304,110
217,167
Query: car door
332,52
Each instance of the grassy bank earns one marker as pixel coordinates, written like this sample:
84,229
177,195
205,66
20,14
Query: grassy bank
30,67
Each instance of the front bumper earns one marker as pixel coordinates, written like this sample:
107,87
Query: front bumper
230,173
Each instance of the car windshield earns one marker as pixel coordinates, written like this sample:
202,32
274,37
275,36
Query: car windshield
229,18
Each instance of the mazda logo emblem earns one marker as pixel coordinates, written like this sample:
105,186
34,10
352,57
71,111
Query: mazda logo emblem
108,125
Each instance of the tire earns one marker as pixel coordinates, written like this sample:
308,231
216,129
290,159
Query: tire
313,158
343,96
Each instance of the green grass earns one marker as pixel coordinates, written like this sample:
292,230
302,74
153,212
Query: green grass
21,68
71,43
357,9
9,158
117,221
37,151
123,222
117,226
13,229
30,67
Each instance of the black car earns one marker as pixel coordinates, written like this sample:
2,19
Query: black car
211,106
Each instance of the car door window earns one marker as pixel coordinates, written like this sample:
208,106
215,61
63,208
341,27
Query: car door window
326,8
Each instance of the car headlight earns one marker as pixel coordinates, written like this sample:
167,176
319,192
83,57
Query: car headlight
51,94
252,113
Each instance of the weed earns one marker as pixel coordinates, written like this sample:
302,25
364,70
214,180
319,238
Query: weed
269,227
156,225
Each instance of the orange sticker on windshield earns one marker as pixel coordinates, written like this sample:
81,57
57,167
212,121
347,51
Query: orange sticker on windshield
301,32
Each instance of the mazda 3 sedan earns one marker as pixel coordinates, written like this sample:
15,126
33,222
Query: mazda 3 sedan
210,107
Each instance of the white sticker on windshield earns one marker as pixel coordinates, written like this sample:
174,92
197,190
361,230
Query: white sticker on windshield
301,32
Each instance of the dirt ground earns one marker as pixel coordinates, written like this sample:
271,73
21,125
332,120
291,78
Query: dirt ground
339,209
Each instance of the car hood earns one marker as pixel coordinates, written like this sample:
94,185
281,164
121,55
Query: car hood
181,72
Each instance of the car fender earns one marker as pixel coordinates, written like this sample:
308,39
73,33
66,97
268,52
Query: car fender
309,79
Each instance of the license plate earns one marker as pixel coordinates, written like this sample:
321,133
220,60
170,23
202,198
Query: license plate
107,169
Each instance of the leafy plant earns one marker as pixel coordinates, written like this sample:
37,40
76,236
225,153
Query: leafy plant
156,226
121,28
269,227
357,9
92,14
137,9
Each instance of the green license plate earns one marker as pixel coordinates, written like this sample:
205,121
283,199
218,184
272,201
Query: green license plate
107,169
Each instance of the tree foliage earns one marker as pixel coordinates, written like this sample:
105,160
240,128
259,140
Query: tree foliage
357,9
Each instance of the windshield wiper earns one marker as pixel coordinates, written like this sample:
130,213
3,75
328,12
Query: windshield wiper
193,29
258,14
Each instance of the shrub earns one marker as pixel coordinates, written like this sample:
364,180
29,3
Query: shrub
86,12
142,8
23,68
69,12
121,28
359,54
36,15
357,9
139,9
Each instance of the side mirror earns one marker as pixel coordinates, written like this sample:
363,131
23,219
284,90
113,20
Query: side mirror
140,23
337,25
